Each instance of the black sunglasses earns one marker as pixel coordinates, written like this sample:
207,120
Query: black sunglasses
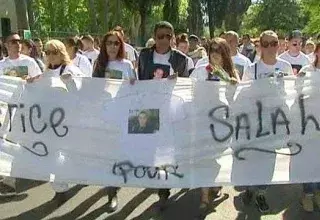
15,41
266,44
162,36
51,52
115,43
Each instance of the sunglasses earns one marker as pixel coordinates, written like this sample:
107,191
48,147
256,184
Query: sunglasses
296,44
266,44
162,36
114,43
15,41
51,52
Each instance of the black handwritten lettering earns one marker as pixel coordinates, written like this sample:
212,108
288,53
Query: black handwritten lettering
275,121
38,149
10,108
31,111
290,145
304,119
212,127
246,126
259,132
140,171
56,124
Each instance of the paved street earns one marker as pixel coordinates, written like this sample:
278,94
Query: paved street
87,203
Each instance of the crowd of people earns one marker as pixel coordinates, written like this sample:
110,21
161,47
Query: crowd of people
225,58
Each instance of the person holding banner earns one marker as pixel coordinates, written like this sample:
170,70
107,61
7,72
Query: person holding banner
268,65
220,68
311,190
111,64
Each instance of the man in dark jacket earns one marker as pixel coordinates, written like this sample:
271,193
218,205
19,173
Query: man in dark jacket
161,56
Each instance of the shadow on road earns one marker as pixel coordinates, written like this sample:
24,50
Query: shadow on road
125,211
13,198
45,209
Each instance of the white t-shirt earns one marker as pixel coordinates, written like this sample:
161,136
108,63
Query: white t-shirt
164,65
241,63
264,71
69,69
190,63
311,57
309,68
202,61
20,67
130,54
84,64
296,62
200,73
122,69
91,55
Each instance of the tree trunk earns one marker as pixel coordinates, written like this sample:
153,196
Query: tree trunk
143,16
211,16
106,11
22,15
30,14
93,16
195,18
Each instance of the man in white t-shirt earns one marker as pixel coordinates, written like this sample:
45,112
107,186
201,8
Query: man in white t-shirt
269,62
88,48
265,67
16,64
294,56
131,53
241,62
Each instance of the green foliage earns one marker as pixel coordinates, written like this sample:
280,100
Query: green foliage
312,8
282,16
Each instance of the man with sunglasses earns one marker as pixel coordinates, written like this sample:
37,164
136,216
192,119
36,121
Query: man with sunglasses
162,56
268,64
294,56
240,61
17,64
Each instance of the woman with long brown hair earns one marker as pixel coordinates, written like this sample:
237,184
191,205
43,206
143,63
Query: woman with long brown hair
220,65
111,62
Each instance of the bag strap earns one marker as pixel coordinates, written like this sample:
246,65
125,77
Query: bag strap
255,70
62,69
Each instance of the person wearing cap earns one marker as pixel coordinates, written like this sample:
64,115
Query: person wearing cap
294,56
195,51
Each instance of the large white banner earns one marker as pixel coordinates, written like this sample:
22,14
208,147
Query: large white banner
161,134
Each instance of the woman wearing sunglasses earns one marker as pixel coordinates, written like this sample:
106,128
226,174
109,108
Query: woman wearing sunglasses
220,68
111,62
58,61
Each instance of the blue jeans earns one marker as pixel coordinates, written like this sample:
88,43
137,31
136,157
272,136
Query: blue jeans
309,188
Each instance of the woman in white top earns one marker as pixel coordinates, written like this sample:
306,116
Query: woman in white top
78,60
315,65
183,46
58,61
111,62
220,68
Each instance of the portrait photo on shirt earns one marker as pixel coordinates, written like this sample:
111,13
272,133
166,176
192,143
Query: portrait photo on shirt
296,68
160,71
240,69
113,74
146,121
16,71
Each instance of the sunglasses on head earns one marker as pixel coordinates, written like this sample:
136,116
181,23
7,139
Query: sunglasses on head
162,36
51,52
114,43
266,44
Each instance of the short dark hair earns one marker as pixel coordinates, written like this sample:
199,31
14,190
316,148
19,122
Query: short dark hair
88,37
37,40
163,24
246,35
11,34
295,34
73,42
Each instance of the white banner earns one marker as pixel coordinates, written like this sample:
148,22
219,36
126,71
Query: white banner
161,134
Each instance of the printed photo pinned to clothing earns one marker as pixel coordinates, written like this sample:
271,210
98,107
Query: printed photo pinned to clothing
296,68
240,69
146,121
16,71
160,71
113,74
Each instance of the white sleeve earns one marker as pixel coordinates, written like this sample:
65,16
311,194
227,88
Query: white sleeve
249,73
86,67
34,70
289,69
131,71
130,54
190,63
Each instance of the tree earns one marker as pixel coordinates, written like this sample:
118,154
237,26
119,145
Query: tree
281,16
22,14
312,8
171,12
235,12
195,17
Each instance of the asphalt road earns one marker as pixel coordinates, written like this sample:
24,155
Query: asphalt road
87,203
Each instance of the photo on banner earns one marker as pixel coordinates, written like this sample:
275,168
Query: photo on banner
16,71
113,74
145,121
